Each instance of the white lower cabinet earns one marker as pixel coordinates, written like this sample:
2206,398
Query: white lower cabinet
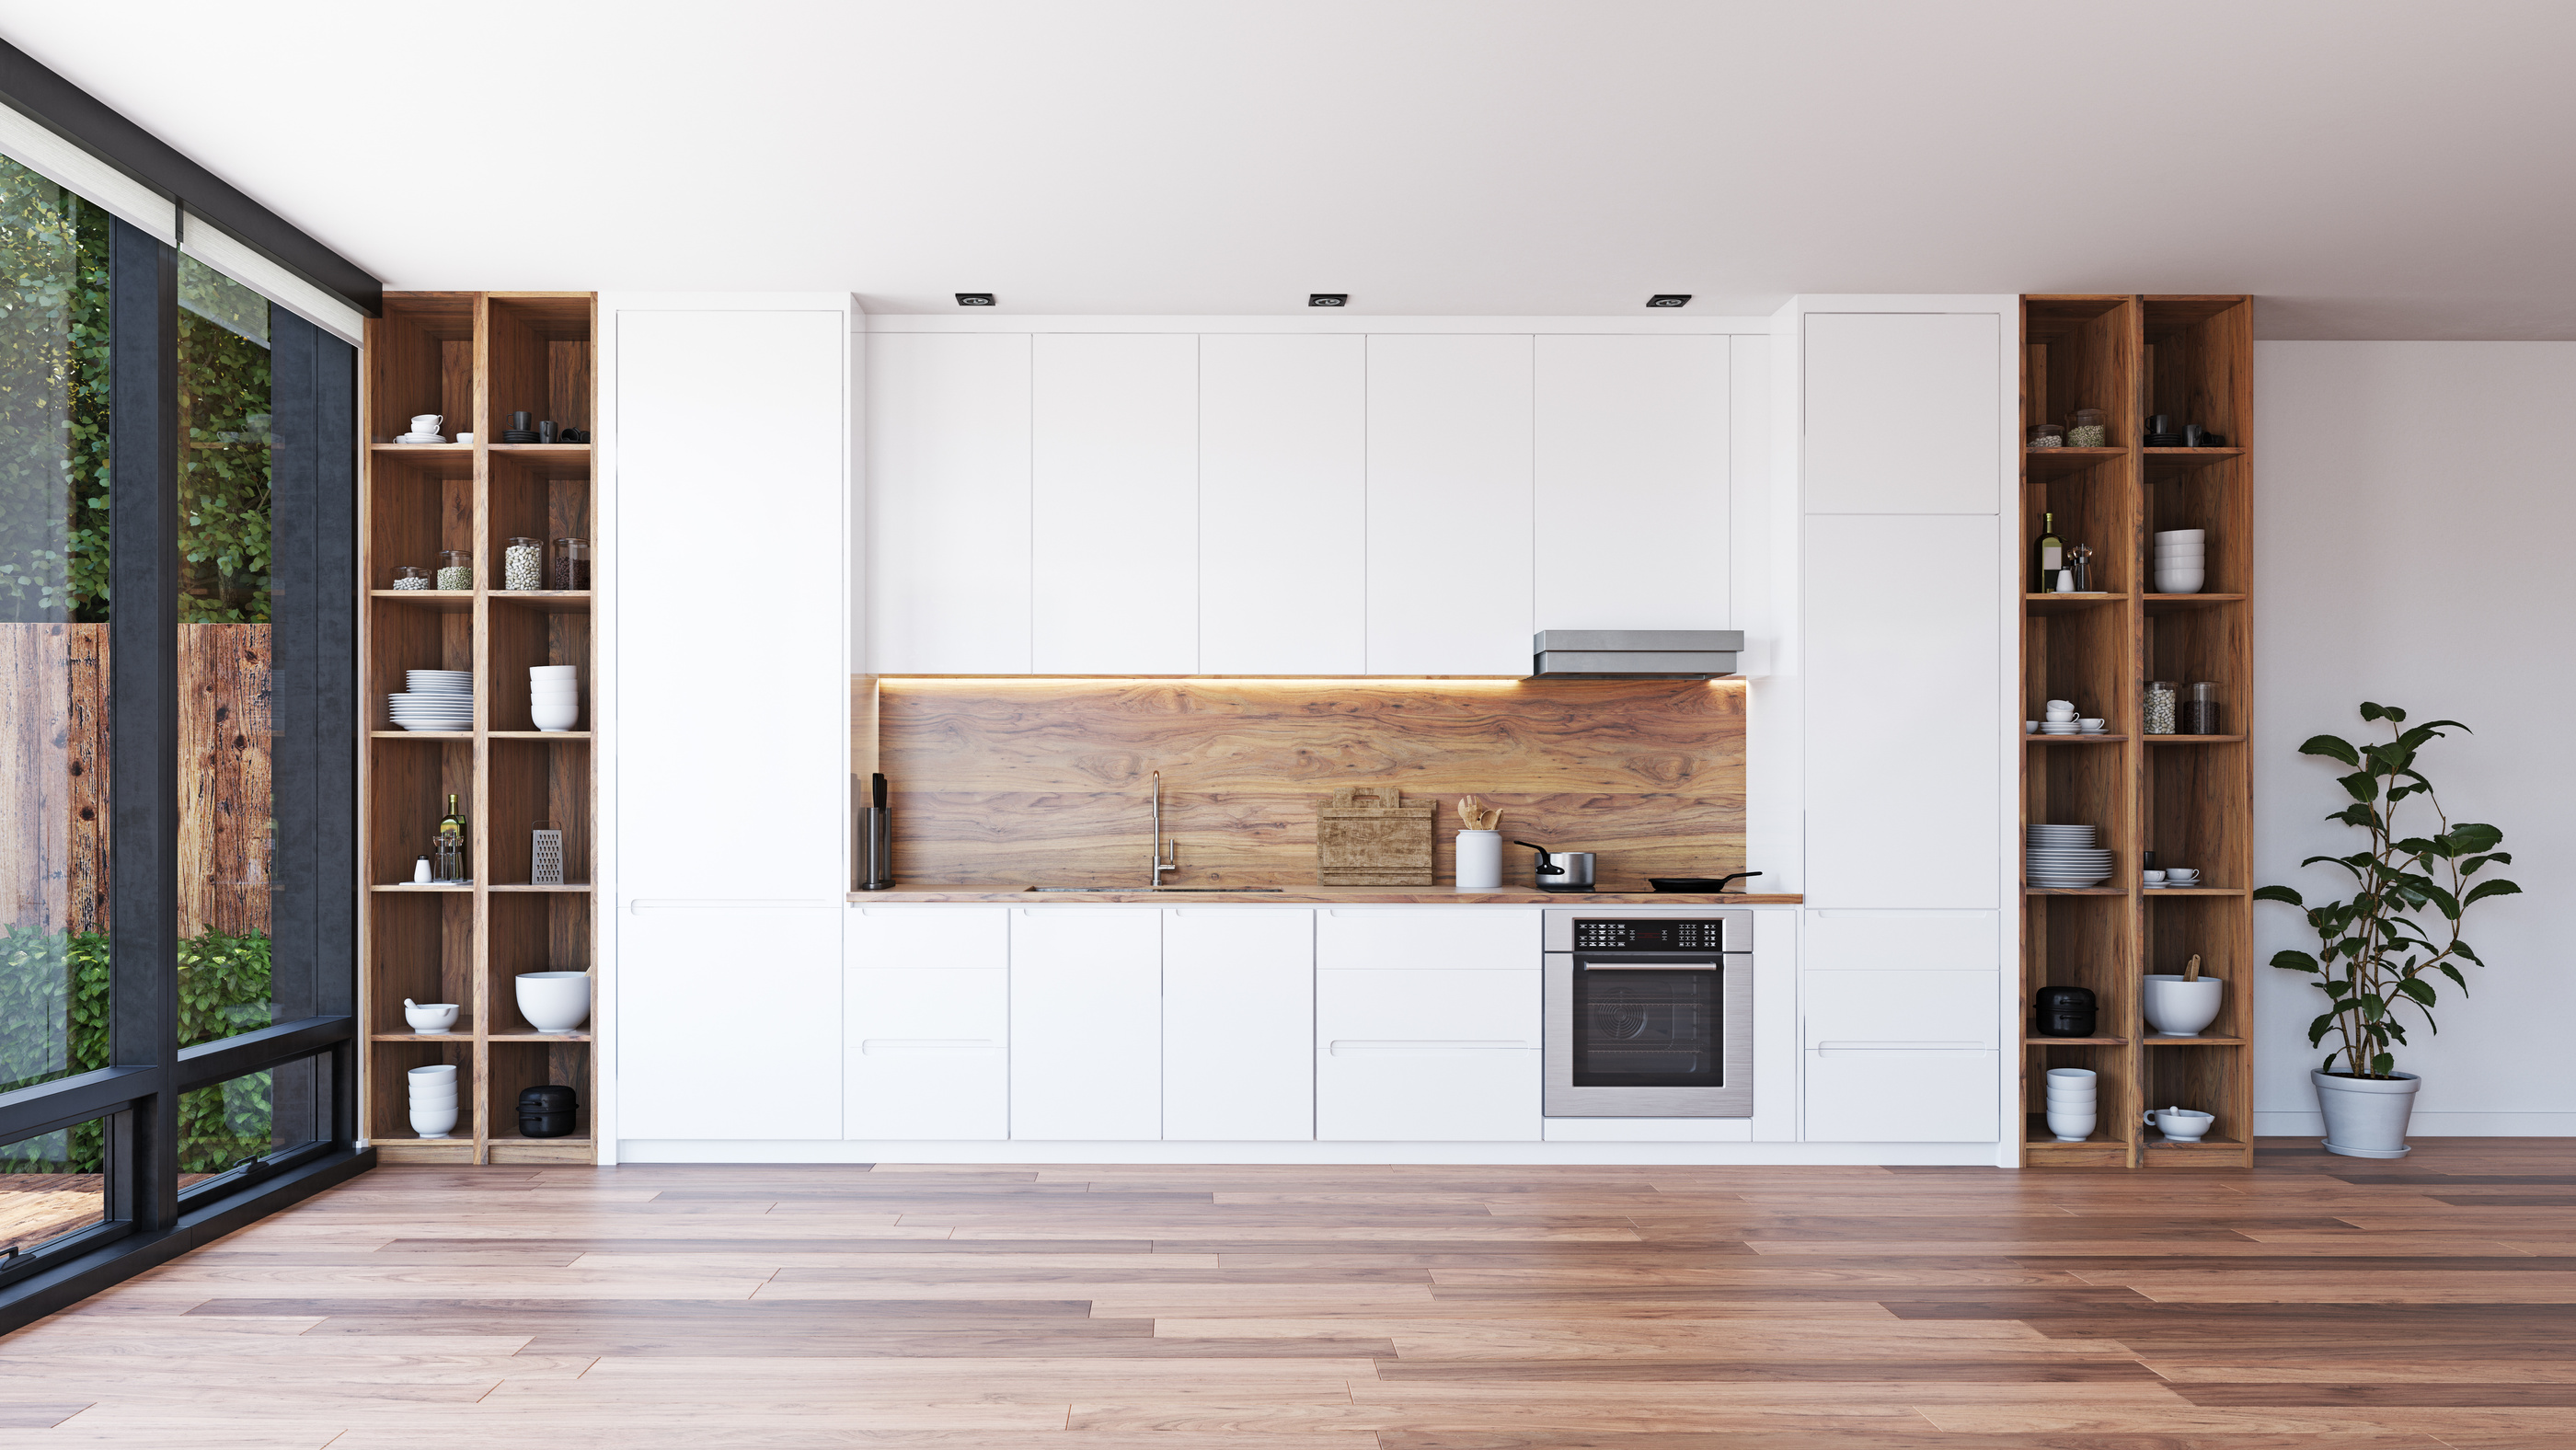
1413,1054
1239,1025
729,1022
1924,1011
926,1023
1877,1095
1086,1024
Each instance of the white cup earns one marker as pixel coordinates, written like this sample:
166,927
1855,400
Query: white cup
427,422
466,438
2092,725
2182,873
2061,717
2153,877
2060,704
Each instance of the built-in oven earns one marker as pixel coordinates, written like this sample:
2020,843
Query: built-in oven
1649,1014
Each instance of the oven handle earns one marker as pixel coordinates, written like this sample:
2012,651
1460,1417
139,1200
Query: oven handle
1653,967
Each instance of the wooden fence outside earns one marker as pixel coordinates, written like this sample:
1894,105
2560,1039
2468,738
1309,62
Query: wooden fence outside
54,777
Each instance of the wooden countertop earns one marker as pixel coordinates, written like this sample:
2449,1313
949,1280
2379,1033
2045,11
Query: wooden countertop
1325,896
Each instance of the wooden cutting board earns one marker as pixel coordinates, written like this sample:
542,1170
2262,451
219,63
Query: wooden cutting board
1367,836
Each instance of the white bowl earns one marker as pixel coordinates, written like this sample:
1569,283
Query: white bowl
553,672
2072,1127
2178,583
2181,536
554,1001
432,1102
553,692
2073,1074
2178,1008
2181,551
430,1016
436,1069
2030,727
553,718
433,1122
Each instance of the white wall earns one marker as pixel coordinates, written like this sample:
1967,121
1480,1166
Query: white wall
2414,504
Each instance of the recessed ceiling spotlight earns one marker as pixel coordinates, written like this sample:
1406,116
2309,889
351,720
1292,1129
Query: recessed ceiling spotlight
1328,299
1669,299
974,299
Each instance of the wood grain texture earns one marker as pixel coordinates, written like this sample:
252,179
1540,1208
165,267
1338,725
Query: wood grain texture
1003,782
513,1307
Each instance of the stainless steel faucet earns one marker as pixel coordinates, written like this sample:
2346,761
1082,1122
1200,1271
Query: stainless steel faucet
1165,858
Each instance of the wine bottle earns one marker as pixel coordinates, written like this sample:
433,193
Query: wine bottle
2051,552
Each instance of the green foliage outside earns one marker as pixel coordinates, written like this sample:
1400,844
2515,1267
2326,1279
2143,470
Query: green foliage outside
2373,955
54,1022
54,327
224,393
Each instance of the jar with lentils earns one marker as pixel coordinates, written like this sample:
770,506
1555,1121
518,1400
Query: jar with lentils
2089,429
455,569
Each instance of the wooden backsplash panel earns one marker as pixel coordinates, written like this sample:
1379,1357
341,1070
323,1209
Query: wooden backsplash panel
1006,782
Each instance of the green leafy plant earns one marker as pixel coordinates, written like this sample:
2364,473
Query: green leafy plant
2373,954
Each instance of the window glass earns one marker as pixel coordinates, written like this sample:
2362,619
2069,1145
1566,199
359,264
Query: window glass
51,1185
227,829
54,385
257,1115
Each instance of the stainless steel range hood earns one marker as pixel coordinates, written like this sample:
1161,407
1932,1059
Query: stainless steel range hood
1634,654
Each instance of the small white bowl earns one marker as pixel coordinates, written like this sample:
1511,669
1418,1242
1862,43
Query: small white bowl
560,672
446,1070
2030,727
2181,536
433,1122
2067,1127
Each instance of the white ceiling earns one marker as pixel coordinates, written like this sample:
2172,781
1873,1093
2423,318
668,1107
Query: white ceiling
2371,168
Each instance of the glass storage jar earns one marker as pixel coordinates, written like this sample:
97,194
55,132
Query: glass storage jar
572,563
2090,428
523,565
2047,435
2156,708
412,576
455,569
2198,710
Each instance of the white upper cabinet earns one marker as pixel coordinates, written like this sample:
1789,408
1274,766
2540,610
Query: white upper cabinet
1903,413
687,673
1903,632
1632,484
948,538
1114,547
1449,505
1283,490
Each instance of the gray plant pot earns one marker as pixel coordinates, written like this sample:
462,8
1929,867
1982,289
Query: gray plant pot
2366,1117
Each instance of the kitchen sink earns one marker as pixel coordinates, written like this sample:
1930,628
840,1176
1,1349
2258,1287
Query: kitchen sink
1141,889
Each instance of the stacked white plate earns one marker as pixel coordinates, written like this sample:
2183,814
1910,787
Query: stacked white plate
437,700
2065,856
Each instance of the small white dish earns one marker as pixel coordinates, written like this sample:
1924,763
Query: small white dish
2030,727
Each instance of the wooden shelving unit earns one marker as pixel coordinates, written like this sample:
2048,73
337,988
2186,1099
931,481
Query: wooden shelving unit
475,357
2188,798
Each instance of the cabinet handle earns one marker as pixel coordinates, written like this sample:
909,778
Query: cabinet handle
898,1045
1896,1046
1343,1045
675,903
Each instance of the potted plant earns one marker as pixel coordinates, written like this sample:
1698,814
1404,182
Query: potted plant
2373,954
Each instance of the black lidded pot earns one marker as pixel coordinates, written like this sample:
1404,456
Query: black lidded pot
2066,1012
546,1112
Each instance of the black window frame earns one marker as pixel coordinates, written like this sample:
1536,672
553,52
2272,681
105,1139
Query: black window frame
313,753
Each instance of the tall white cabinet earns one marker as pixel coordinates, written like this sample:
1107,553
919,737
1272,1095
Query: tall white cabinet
722,901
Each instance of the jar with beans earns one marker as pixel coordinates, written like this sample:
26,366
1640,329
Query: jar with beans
455,569
2090,428
523,565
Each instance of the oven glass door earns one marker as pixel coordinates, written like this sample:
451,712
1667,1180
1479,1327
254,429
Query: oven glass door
1648,1019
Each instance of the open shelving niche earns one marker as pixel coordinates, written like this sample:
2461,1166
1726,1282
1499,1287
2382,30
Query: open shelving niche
474,357
2187,798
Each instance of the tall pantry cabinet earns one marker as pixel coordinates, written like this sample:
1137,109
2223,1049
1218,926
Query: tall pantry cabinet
1895,428
728,805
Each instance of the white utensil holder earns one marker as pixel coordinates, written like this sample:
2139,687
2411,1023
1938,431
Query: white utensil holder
1480,860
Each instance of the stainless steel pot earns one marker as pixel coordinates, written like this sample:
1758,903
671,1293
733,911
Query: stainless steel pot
1561,870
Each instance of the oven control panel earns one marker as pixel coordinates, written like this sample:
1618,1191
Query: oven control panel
1664,934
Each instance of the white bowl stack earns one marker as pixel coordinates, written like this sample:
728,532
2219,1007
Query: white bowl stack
433,1100
2065,856
437,700
2182,560
2072,1110
554,696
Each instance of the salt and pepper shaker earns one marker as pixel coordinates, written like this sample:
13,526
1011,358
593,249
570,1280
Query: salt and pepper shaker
2080,562
420,872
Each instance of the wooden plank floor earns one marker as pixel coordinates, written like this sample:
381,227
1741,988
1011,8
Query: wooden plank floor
2310,1302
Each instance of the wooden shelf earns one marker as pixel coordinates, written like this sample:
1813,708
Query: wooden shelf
474,357
2157,1039
437,601
546,601
2067,603
2134,356
2065,462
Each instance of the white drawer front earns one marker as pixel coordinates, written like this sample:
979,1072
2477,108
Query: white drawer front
926,936
1900,1097
1430,936
1862,940
1922,1010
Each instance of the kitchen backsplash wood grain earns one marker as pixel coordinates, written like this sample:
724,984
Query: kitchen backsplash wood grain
1005,782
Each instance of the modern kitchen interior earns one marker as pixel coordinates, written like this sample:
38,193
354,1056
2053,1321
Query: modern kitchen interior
1443,788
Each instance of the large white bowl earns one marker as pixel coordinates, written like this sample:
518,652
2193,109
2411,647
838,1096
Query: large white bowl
2072,1127
554,1001
433,1122
552,718
2178,1008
